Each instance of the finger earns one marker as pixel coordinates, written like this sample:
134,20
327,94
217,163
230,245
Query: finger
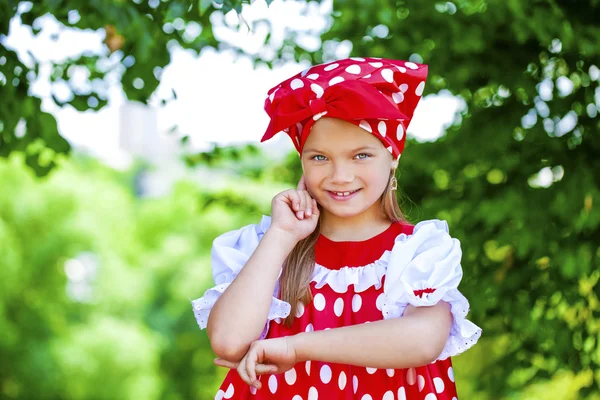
224,363
302,208
309,203
241,369
263,369
315,208
294,199
251,361
301,183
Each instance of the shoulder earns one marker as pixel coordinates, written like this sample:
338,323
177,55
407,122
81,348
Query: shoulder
427,230
245,235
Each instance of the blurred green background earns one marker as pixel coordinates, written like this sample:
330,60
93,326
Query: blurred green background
95,280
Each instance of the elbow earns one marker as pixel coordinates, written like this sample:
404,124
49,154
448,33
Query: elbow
226,344
434,346
431,353
228,348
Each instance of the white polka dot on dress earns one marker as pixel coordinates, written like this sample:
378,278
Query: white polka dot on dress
297,397
313,394
338,307
403,88
290,376
331,67
219,395
307,367
273,384
313,76
451,374
309,328
411,65
319,302
389,395
355,383
421,382
380,300
431,396
376,64
411,376
401,393
325,374
366,397
300,310
342,380
230,391
439,384
356,302
371,371
390,372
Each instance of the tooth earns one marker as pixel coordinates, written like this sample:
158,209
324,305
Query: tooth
346,193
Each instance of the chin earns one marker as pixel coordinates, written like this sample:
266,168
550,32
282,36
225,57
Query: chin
345,211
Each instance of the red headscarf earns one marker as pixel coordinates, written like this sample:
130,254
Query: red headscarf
378,95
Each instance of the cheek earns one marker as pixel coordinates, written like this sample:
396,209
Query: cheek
377,179
311,180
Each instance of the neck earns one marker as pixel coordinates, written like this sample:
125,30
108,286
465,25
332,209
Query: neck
355,228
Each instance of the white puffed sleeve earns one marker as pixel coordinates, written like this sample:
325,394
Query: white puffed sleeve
424,268
230,252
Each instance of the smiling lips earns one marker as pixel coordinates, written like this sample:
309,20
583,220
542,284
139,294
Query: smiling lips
342,195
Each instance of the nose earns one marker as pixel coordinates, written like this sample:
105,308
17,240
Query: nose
341,174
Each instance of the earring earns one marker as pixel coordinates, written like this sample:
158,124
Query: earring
393,183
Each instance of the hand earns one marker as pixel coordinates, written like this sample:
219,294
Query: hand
295,212
270,356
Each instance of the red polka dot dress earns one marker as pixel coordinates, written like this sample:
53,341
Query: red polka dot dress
352,285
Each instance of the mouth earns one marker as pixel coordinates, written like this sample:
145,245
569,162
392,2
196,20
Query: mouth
343,195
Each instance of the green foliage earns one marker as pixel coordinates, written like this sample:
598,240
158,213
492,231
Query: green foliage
135,337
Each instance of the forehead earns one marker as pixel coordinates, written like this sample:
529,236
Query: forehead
337,134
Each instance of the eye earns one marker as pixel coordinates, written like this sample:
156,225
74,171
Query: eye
363,156
318,157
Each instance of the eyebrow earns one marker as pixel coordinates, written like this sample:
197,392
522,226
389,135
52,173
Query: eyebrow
311,150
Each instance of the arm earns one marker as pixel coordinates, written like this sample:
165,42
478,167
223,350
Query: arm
413,340
239,315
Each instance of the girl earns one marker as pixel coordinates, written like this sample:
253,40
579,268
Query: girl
336,296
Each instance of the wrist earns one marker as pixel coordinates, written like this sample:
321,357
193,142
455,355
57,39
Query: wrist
283,238
297,342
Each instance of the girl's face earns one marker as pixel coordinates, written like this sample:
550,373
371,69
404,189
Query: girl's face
346,169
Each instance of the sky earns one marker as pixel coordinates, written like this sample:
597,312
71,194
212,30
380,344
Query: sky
208,86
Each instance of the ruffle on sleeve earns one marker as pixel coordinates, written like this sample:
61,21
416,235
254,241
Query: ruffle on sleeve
423,269
230,252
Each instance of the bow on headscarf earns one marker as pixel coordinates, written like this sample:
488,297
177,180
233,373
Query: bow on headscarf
378,95
348,100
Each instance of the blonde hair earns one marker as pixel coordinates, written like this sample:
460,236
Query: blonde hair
299,264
